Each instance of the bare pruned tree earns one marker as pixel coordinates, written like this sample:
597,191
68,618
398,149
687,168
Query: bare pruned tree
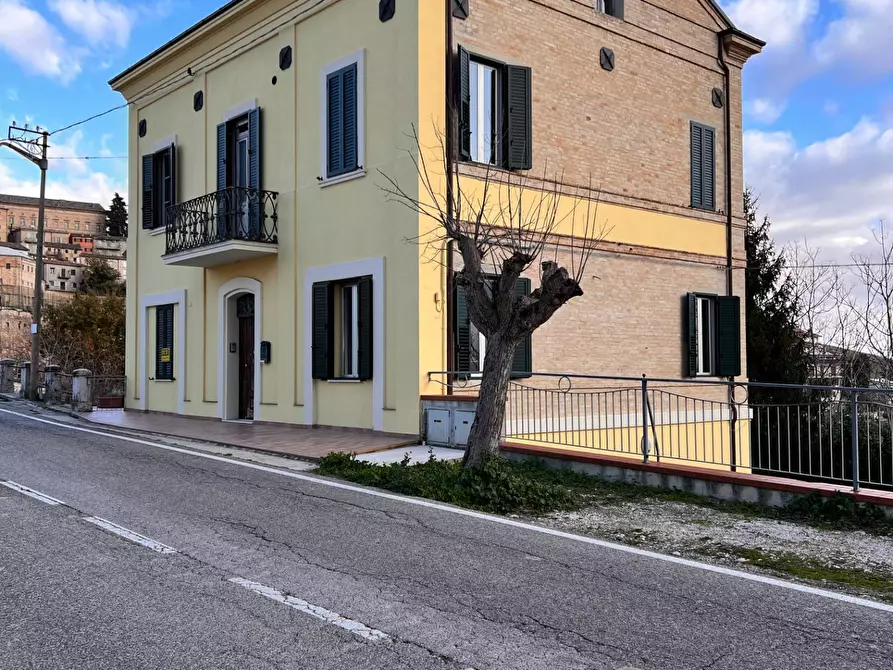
501,222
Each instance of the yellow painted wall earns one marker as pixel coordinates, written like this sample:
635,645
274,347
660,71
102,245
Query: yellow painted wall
705,444
318,226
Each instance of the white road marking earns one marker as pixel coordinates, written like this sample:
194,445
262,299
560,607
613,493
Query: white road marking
128,534
321,613
728,572
31,493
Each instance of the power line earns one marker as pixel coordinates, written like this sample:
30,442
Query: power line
69,158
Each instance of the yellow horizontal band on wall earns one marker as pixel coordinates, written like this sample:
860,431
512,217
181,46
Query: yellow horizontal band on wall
574,215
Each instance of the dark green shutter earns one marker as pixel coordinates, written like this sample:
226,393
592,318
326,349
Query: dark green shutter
349,117
464,120
334,140
522,364
703,167
254,167
697,141
323,344
615,8
691,334
462,332
221,156
164,339
519,131
222,151
148,180
728,336
364,311
460,9
708,169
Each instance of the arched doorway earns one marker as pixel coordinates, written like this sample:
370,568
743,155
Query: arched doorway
240,306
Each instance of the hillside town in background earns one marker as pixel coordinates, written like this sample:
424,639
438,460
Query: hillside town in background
77,235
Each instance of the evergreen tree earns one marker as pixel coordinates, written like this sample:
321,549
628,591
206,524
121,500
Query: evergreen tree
100,278
776,348
116,222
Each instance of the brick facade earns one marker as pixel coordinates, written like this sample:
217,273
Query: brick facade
629,130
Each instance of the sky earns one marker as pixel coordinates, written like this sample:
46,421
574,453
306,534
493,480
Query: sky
818,102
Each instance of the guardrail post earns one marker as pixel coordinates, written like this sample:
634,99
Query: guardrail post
646,447
81,393
25,378
53,384
854,438
7,375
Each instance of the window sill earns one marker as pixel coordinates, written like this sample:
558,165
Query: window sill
344,381
163,381
331,181
158,231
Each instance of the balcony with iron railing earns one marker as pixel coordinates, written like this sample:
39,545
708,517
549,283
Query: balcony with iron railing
233,224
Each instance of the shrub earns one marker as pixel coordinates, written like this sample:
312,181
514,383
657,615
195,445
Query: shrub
500,486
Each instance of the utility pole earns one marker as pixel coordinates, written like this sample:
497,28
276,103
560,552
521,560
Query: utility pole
32,145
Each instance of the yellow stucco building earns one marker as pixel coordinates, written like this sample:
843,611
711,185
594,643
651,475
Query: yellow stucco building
270,279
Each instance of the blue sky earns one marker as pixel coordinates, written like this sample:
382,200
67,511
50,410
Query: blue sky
818,102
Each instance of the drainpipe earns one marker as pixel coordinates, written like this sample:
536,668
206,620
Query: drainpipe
448,164
727,145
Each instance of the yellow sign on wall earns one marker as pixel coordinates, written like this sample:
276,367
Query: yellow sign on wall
166,355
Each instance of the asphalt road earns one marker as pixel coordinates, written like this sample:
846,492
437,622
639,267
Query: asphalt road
368,582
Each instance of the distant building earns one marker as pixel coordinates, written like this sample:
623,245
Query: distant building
18,220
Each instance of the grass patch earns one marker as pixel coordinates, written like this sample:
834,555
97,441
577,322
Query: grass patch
528,487
807,569
501,486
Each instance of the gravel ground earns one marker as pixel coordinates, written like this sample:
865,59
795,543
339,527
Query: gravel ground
697,532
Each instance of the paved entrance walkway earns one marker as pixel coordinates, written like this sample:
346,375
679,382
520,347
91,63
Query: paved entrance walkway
278,438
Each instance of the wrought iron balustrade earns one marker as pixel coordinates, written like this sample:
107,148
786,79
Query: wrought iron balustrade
232,214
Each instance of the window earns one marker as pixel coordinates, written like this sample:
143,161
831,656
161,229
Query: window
62,285
703,168
342,329
22,221
610,7
52,271
239,168
471,344
8,266
77,225
495,103
164,342
159,186
714,336
343,123
349,314
33,221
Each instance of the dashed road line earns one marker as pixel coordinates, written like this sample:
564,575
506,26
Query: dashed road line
128,534
31,493
490,518
360,630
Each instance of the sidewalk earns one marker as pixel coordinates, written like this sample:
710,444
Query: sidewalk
274,438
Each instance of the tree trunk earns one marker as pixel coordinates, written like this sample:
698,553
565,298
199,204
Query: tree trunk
483,440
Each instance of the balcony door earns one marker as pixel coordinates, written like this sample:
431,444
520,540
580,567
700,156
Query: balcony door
240,178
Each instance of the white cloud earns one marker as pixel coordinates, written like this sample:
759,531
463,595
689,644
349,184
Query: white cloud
831,107
781,23
861,36
764,110
831,192
98,21
12,94
22,29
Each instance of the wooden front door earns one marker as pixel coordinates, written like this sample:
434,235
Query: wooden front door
245,314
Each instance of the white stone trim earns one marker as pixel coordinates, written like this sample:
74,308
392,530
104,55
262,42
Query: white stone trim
177,297
358,57
228,290
164,144
245,248
239,110
349,270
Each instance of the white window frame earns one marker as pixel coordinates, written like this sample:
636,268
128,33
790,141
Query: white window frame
710,301
479,148
350,352
358,58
